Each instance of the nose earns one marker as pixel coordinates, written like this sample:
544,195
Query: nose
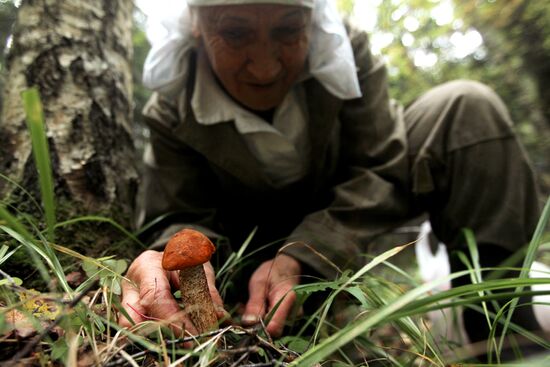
264,64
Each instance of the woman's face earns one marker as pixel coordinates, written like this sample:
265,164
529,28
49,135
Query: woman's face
256,51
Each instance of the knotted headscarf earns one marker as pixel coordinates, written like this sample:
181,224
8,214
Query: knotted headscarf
330,55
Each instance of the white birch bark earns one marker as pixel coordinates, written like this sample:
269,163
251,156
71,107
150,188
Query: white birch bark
77,52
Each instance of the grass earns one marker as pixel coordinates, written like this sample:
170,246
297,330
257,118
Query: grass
356,317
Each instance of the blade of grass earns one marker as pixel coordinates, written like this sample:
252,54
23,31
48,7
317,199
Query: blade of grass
527,263
405,324
52,262
323,309
518,329
35,122
14,224
469,289
476,278
237,257
19,232
353,330
350,332
23,190
416,309
5,255
22,236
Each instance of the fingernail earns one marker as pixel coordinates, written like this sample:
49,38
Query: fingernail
250,319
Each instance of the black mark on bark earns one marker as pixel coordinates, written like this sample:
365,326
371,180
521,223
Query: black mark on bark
95,180
47,73
108,135
77,129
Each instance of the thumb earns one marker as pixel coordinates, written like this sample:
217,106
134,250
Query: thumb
221,313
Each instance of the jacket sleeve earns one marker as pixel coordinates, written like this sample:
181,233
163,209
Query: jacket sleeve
176,189
372,196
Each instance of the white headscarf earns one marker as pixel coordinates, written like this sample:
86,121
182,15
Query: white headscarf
330,57
306,3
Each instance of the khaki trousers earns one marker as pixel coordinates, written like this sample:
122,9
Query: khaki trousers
468,168
469,171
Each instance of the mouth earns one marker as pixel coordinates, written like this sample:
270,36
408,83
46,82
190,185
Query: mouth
262,86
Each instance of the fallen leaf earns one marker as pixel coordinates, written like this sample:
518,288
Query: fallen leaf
75,278
19,324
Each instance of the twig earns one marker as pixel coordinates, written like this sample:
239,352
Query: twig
250,349
34,342
242,358
194,337
272,363
122,361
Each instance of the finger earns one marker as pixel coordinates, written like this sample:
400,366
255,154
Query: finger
157,300
181,325
256,305
130,303
211,280
286,297
155,296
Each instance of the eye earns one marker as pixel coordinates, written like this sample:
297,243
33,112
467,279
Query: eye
288,34
236,36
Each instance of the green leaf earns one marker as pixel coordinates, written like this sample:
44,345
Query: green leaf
115,286
358,293
59,350
296,344
15,281
90,268
4,327
110,273
117,266
316,287
261,352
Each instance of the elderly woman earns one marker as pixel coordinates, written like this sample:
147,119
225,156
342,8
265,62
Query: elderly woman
269,114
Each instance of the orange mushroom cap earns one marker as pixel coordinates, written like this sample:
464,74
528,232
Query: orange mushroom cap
187,248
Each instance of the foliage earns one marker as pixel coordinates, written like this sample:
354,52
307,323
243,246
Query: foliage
418,39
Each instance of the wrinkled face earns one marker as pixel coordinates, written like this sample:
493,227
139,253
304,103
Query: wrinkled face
256,51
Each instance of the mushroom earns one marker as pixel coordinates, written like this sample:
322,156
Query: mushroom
187,251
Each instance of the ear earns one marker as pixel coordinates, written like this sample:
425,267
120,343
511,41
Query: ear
196,32
195,28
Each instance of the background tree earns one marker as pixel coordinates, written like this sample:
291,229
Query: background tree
8,12
518,29
77,52
503,44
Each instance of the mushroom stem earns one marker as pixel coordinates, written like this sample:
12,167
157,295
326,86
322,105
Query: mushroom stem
196,298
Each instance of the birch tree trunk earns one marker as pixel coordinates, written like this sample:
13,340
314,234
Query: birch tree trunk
77,52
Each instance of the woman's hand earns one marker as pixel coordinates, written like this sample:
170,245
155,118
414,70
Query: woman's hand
272,281
150,297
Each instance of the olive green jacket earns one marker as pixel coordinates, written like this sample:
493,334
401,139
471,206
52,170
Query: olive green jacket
355,189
